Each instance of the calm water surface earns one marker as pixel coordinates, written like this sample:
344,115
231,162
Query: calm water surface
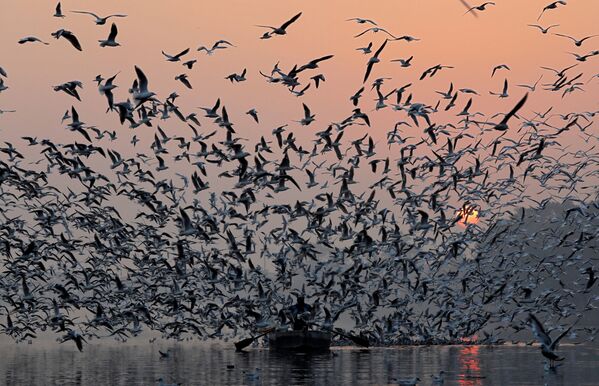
196,364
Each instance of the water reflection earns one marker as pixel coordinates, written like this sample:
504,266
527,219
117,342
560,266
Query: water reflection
219,365
470,374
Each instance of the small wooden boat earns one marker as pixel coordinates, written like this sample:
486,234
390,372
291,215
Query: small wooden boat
302,341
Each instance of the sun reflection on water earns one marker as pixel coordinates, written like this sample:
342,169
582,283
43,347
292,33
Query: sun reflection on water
469,362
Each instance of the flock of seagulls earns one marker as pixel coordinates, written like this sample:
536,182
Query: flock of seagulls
205,235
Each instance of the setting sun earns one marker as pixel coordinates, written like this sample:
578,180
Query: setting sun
469,215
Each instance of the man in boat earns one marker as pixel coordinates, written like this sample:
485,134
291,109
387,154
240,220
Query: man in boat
300,314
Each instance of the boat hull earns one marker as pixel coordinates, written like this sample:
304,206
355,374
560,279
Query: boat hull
302,341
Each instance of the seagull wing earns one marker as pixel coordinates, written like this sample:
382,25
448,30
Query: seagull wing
216,44
469,8
113,32
327,57
585,38
143,81
468,104
362,33
515,109
87,13
185,82
306,111
186,221
539,331
74,114
288,22
556,341
185,51
84,133
72,39
293,181
265,26
378,52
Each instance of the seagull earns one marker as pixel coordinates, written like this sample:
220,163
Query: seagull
111,40
58,11
468,91
407,38
548,345
499,67
591,280
503,93
142,94
479,7
99,20
543,30
31,39
212,112
68,35
237,77
533,87
465,111
106,89
189,64
317,79
282,30
183,79
175,58
561,73
356,97
216,46
313,64
430,72
365,50
75,337
553,5
375,30
70,88
254,114
374,59
577,42
583,58
308,116
404,62
448,94
359,20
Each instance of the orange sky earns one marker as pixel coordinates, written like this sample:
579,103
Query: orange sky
472,45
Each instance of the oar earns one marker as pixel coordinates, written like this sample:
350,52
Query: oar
359,340
247,341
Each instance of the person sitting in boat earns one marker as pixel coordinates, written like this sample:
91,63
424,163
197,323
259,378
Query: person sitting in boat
300,313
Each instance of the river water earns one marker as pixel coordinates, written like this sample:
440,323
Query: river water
218,364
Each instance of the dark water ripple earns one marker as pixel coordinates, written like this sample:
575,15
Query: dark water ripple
191,364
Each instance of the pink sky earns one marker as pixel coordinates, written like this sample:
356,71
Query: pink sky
472,45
